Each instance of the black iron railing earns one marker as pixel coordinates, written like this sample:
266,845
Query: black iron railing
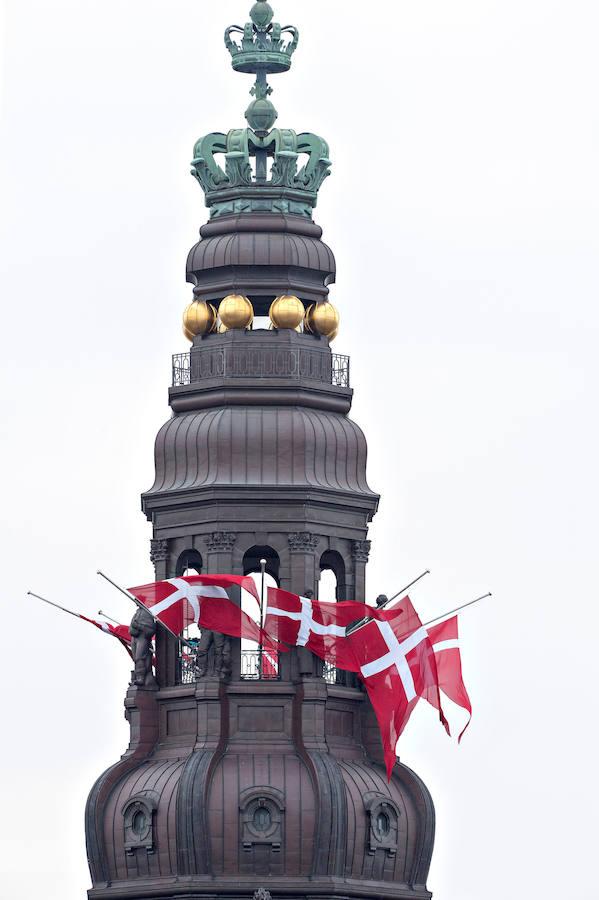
187,671
259,665
294,363
256,665
181,369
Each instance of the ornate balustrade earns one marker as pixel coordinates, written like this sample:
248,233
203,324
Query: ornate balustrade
233,362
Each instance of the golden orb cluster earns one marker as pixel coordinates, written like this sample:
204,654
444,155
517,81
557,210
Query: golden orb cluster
198,318
286,311
236,311
322,318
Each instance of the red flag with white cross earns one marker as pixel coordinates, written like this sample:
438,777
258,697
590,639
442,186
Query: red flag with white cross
202,599
446,647
395,660
319,626
120,632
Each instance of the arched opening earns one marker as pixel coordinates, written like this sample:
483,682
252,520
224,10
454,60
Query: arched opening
189,563
331,585
254,662
252,557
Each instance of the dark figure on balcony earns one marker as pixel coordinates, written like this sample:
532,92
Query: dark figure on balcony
221,645
143,629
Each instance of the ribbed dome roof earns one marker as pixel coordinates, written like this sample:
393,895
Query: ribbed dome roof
199,828
261,249
261,446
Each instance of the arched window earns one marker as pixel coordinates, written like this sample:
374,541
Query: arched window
252,557
332,579
189,563
254,664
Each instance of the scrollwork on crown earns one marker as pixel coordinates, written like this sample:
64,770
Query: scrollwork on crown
295,188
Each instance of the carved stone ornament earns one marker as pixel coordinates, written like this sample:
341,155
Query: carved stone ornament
221,540
262,894
138,821
383,815
361,551
303,542
261,811
158,550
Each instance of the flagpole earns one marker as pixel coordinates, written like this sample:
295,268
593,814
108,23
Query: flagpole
406,588
142,606
457,609
110,619
387,602
260,648
55,605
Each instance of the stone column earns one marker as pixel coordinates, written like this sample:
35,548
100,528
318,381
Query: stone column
302,546
360,553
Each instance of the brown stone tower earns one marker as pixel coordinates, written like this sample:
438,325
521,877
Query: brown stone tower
265,780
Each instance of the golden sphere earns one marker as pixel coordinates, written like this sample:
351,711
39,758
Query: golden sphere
236,311
188,334
286,311
199,318
323,318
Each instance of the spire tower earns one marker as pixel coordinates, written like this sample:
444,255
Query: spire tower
267,780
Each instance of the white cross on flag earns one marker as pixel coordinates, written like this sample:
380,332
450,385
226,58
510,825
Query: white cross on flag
304,622
202,599
446,647
395,660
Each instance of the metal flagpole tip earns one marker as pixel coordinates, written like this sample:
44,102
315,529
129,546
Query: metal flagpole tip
262,562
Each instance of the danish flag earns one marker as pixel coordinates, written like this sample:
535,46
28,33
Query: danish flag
120,632
202,599
395,660
304,622
446,647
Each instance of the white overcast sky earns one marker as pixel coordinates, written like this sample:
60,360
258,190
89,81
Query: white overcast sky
463,212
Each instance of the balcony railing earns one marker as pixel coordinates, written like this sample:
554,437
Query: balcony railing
256,665
293,363
259,665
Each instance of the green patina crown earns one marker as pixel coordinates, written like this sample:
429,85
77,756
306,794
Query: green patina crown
265,48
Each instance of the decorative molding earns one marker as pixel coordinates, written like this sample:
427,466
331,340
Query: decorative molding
138,820
262,811
158,550
220,541
383,815
303,542
361,551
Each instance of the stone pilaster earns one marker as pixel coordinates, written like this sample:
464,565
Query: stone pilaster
302,547
220,552
159,554
360,552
